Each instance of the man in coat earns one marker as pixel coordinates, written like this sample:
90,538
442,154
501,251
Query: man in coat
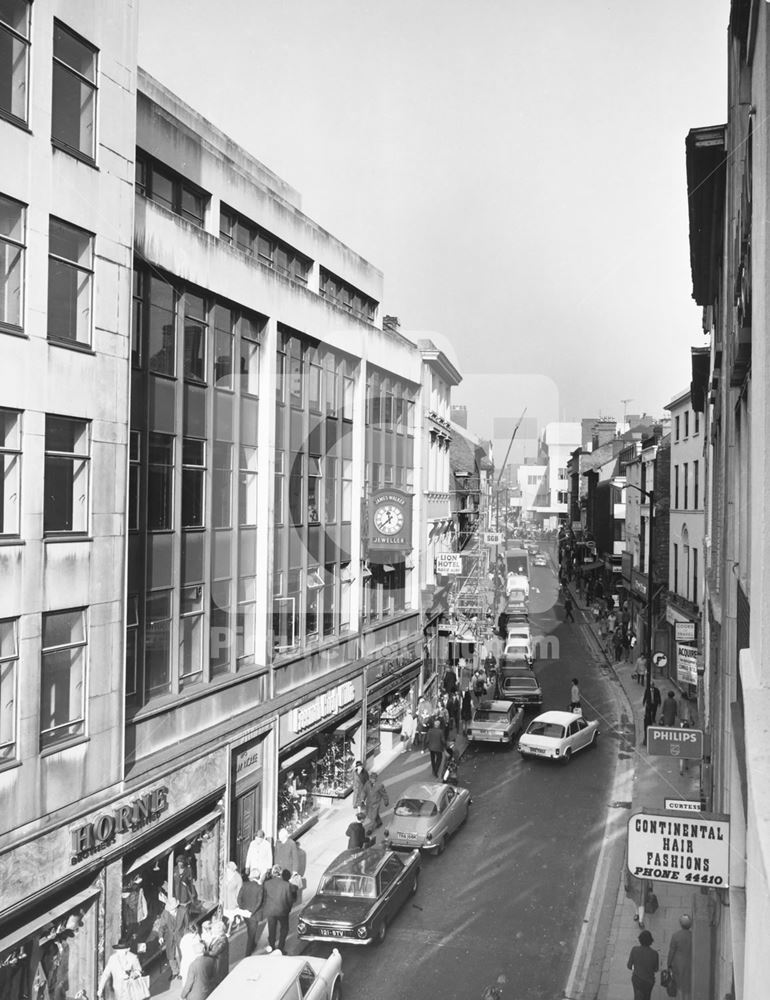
171,925
279,898
436,746
287,852
669,711
201,978
259,856
251,898
378,799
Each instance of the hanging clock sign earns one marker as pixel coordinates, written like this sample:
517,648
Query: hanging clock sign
390,523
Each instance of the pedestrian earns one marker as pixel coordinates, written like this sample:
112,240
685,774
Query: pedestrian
453,707
466,711
574,697
479,686
640,669
201,979
287,852
643,962
443,715
184,887
436,746
651,701
171,925
669,710
680,957
361,786
187,951
568,616
259,856
231,886
617,643
251,899
377,800
122,966
450,681
408,727
612,621
279,899
466,673
356,833
218,946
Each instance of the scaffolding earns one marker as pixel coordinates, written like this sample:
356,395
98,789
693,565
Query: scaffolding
471,595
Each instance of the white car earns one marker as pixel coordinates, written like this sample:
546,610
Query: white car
278,977
496,722
540,559
519,648
558,735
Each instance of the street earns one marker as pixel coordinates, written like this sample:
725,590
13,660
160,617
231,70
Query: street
509,894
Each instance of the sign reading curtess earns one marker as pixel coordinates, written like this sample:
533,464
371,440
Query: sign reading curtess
688,850
90,838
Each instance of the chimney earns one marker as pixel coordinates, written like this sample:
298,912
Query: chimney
391,323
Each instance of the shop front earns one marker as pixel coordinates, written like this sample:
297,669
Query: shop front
392,687
320,741
249,796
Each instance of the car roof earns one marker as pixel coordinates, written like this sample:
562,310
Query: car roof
562,718
497,705
266,975
367,861
431,790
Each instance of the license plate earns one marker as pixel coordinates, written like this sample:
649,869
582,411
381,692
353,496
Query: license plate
536,750
331,932
411,836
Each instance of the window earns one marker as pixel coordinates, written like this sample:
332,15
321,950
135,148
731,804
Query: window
134,473
686,423
329,618
157,642
676,487
132,643
331,393
676,569
346,584
562,496
347,398
313,593
278,500
347,490
220,630
10,472
296,512
295,382
314,388
695,421
160,482
685,484
676,428
247,486
165,187
66,475
190,635
562,473
137,319
244,234
9,660
63,677
246,644
314,485
695,575
686,555
223,347
14,58
330,513
70,277
249,355
280,377
13,218
195,337
73,114
695,485
346,296
161,327
222,485
193,482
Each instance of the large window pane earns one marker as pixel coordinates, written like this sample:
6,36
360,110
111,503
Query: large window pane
195,334
247,623
160,485
10,471
157,651
12,234
74,91
221,629
222,485
14,57
161,335
223,347
70,273
193,482
66,475
247,497
62,681
9,655
191,635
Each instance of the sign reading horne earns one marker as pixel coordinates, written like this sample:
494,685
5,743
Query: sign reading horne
100,832
672,849
390,524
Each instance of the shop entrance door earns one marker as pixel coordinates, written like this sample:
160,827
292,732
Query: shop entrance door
248,819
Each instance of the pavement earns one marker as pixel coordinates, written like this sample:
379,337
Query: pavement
602,973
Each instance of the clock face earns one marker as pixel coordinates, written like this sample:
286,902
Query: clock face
388,519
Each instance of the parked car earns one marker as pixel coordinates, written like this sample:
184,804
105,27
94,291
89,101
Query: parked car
540,559
427,814
277,976
359,894
519,629
516,681
519,647
558,735
496,722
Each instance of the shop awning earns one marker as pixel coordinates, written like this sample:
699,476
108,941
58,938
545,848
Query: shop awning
347,726
49,917
300,755
170,842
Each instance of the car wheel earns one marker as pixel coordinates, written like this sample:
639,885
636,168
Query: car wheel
594,740
336,991
567,756
382,932
440,846
415,884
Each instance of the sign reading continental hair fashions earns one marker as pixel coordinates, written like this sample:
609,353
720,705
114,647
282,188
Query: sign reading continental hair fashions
389,515
688,850
99,833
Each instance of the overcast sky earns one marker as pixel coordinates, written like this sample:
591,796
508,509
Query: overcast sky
515,167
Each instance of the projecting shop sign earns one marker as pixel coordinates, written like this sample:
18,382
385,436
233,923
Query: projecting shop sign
449,564
671,741
670,849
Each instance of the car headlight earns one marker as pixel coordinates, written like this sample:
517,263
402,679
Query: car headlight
362,932
301,927
556,752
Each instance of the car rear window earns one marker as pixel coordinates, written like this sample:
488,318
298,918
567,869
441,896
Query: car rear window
520,684
550,729
415,807
484,716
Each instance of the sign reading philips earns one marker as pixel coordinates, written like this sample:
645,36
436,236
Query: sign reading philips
668,741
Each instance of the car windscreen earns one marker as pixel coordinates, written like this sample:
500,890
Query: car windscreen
361,886
415,807
483,715
549,729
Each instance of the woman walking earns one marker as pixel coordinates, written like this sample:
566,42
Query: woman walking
643,962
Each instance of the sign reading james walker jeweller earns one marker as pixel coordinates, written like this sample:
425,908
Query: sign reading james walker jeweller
103,830
390,523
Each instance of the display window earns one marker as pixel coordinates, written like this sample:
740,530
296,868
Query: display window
336,759
373,713
188,863
394,707
57,960
297,778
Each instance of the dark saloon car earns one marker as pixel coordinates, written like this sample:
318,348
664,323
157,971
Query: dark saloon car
358,896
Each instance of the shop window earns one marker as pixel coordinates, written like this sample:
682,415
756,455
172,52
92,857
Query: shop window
297,789
373,713
393,709
58,959
220,627
73,112
9,661
191,635
63,677
336,760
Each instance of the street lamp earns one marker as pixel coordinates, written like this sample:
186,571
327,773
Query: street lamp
650,495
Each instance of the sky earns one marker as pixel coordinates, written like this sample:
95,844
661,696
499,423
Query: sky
516,168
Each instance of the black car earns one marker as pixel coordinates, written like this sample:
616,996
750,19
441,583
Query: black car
358,896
